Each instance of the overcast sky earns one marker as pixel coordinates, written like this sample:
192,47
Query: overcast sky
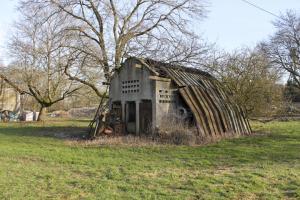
230,23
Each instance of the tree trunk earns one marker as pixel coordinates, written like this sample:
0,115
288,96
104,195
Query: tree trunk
42,114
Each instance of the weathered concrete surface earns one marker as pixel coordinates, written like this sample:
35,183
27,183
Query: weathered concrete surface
142,97
9,100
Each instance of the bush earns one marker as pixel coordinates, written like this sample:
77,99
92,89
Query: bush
176,131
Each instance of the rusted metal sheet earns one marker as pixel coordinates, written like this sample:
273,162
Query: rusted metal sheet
214,111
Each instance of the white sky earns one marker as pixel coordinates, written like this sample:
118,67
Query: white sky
7,16
231,23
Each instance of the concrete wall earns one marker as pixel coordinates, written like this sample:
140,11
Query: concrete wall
131,83
136,83
166,101
9,100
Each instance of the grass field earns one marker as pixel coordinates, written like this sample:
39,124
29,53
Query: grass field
37,163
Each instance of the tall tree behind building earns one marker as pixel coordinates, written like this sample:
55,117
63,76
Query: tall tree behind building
252,82
39,59
107,31
283,48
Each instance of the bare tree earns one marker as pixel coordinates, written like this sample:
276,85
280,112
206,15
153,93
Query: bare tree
247,74
107,31
39,59
284,46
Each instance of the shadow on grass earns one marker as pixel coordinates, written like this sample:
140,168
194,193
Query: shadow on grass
65,132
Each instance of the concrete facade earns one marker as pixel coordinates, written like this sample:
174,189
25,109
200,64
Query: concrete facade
140,98
9,100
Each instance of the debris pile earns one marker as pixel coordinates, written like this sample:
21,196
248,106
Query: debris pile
10,116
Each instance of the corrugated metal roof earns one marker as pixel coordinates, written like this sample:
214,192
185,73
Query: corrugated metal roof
214,111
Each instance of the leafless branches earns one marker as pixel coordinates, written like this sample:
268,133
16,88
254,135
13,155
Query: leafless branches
284,46
251,80
37,48
105,32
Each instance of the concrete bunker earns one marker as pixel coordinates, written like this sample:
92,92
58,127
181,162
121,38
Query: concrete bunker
144,92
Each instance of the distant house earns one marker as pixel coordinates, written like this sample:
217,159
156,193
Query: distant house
144,92
9,98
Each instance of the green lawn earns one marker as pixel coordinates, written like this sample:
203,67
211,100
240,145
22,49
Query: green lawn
35,164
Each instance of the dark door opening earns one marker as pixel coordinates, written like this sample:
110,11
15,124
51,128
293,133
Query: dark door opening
116,111
131,117
146,116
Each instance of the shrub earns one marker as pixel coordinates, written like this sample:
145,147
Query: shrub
174,130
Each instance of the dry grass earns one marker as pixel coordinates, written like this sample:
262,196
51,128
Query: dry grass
173,131
174,138
177,131
128,140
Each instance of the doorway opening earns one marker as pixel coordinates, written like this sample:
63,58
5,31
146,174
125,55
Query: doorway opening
146,116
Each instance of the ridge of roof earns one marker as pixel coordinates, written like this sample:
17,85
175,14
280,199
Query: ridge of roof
159,66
